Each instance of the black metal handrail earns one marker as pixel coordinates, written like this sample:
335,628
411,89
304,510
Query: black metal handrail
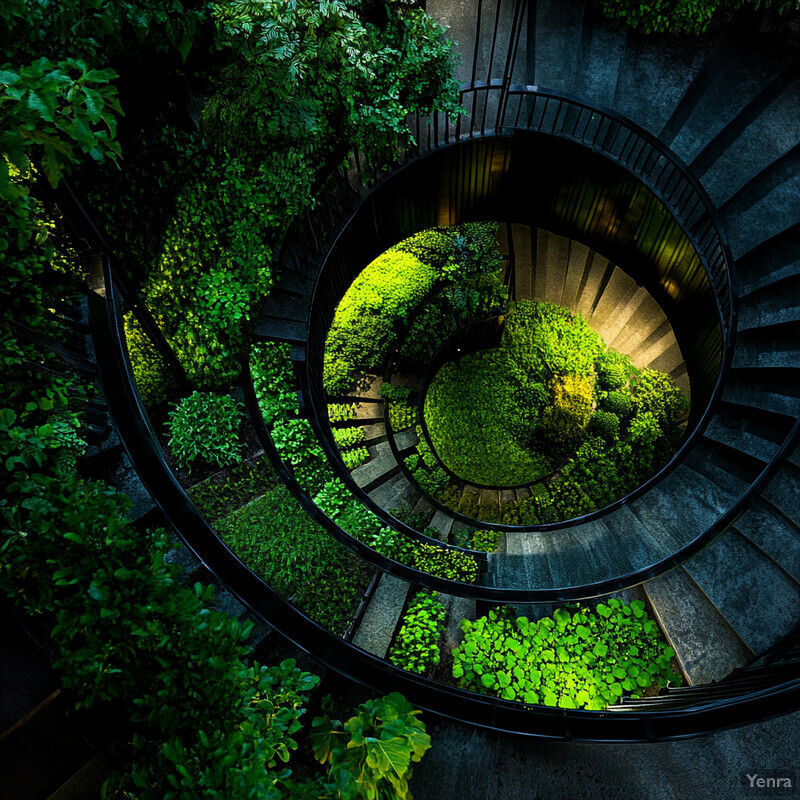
757,701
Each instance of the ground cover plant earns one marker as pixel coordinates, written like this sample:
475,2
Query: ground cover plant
275,537
578,658
552,401
416,646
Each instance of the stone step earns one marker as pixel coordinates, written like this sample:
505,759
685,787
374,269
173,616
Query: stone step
743,58
768,215
370,475
753,148
784,492
759,600
654,76
280,330
771,347
377,627
776,303
706,645
523,265
773,259
755,434
285,305
442,523
772,390
774,534
385,493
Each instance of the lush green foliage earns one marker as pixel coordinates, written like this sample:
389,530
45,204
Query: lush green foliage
578,658
337,502
348,437
276,538
488,541
380,302
370,755
416,646
271,370
342,412
451,564
474,417
122,628
299,448
97,31
402,416
395,394
355,457
205,427
306,79
683,16
219,496
52,111
513,414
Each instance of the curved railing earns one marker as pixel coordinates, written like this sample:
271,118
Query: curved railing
769,693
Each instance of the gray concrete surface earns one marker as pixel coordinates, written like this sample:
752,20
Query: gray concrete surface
469,764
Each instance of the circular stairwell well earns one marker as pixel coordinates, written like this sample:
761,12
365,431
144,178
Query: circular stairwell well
563,109
735,596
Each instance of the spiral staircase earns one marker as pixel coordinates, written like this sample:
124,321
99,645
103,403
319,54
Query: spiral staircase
713,543
723,524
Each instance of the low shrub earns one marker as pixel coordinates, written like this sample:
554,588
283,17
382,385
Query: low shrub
487,541
205,426
618,403
416,646
348,437
566,417
342,412
273,381
604,424
355,458
578,658
402,416
395,394
451,564
298,447
683,16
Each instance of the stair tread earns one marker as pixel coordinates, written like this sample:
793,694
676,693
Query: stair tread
705,643
771,347
654,76
377,627
762,141
283,330
781,397
784,492
374,470
751,435
761,601
776,536
775,303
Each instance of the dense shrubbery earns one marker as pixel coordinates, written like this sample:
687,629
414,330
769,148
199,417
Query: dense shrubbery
683,16
578,658
205,427
513,414
379,303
